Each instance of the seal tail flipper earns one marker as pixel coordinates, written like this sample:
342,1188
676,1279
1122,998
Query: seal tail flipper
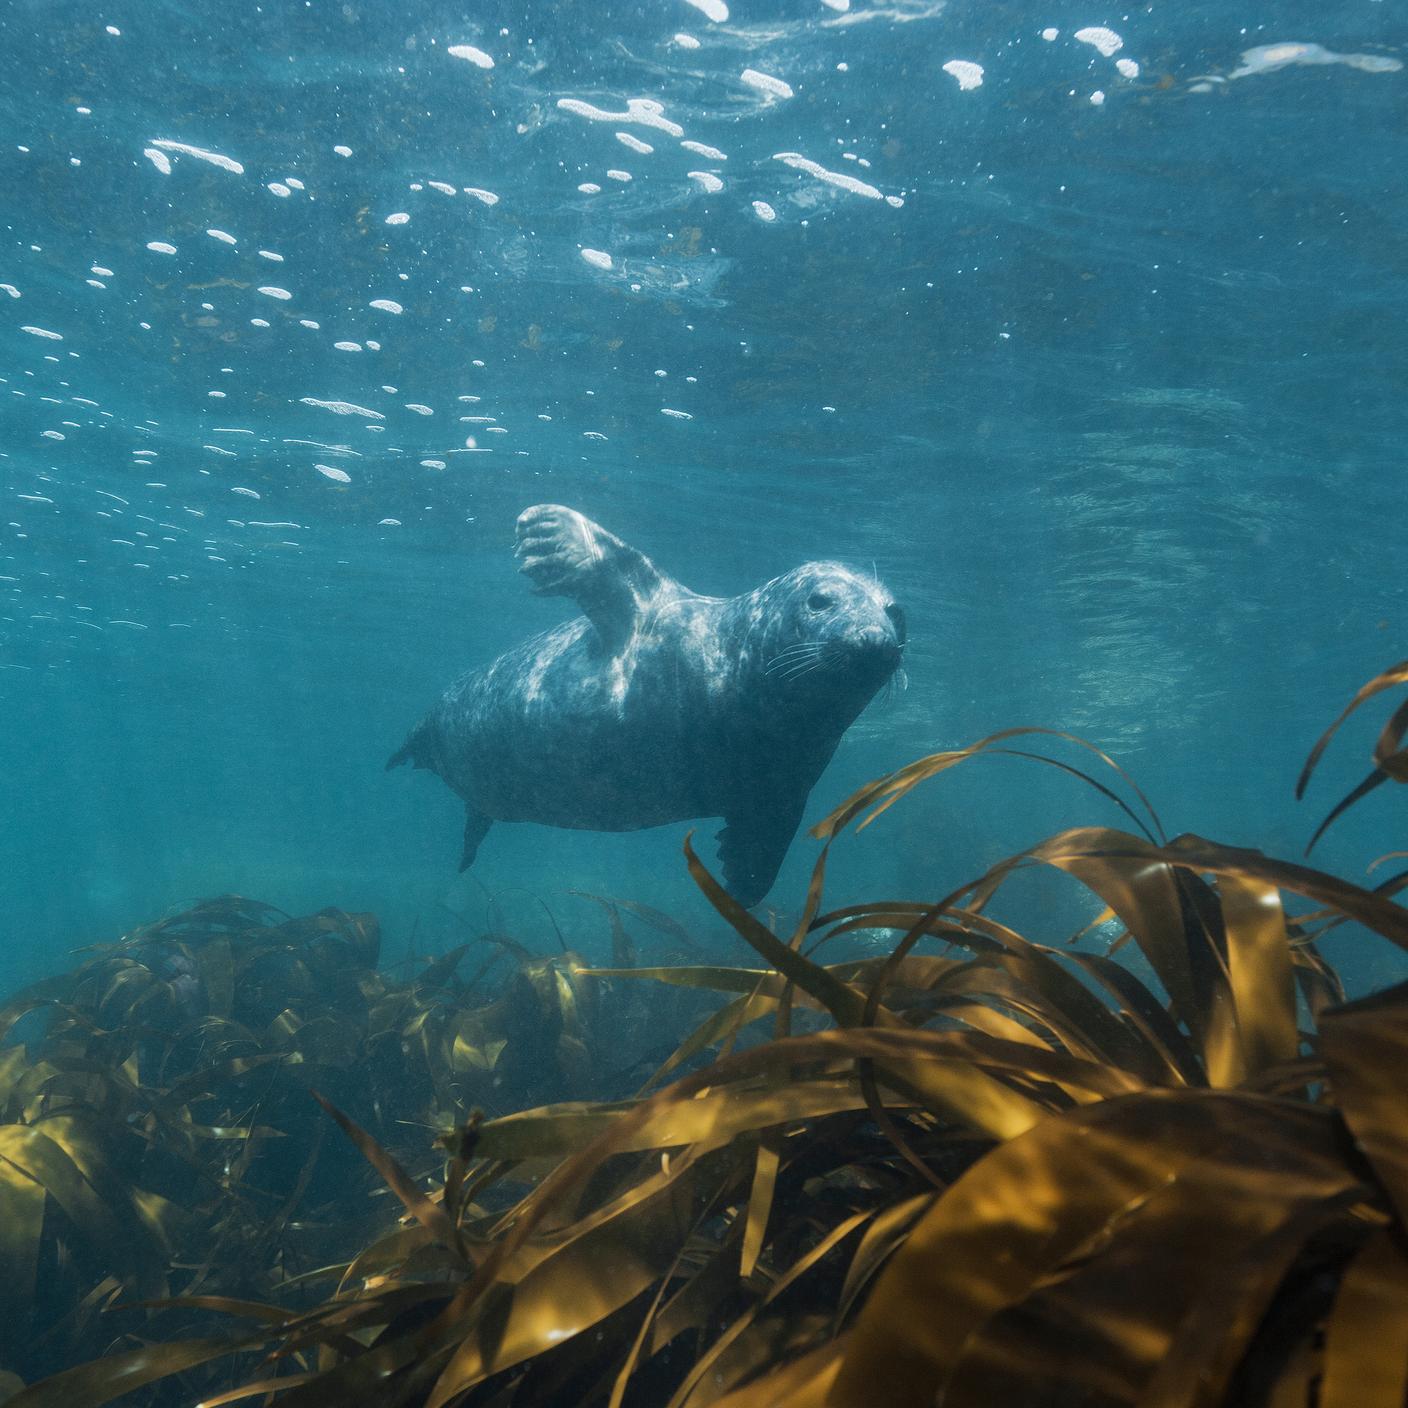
476,827
565,554
418,749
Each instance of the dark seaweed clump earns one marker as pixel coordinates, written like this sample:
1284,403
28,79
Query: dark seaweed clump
1169,1169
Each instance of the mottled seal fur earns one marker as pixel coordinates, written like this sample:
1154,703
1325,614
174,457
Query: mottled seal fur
658,705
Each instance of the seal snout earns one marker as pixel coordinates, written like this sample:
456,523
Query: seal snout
877,647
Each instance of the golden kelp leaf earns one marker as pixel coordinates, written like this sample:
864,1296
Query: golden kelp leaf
1390,761
767,1161
15,1064
1394,675
384,1257
1213,1337
1147,1015
887,1230
843,1002
1259,972
965,1093
231,1305
207,1078
1387,856
565,1293
217,968
1128,876
30,999
724,1113
1374,911
658,920
99,1217
1365,1047
91,1385
1319,984
1018,1214
1366,1336
76,1137
464,1056
642,1337
892,1049
980,1017
1125,872
438,973
429,1214
623,951
275,1385
1034,982
709,978
1388,754
21,1228
362,932
342,1328
697,1302
1371,782
723,1025
804,1382
883,793
730,1353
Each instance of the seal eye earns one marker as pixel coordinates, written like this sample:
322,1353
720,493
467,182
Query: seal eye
820,601
896,615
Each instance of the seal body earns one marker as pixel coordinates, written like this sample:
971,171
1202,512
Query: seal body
659,705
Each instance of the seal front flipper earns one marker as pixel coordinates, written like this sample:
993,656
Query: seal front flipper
752,846
565,554
476,828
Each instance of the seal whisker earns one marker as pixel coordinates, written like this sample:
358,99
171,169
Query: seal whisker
792,655
805,668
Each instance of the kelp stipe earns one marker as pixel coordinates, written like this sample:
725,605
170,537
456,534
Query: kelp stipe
1011,1171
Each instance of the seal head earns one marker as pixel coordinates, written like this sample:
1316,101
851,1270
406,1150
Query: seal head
659,705
826,620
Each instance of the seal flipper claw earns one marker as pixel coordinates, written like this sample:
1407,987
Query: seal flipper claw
476,828
752,846
565,554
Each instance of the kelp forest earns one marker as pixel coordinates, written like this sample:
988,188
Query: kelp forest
1161,1162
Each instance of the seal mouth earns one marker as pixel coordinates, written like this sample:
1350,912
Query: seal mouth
872,656
877,659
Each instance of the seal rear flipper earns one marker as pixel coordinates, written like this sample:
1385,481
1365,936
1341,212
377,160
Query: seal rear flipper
565,554
476,828
752,846
418,749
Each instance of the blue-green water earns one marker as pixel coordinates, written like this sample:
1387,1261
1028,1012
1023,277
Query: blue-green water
1098,360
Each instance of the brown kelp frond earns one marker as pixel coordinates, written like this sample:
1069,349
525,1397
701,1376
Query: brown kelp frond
1069,1223
878,796
158,1131
981,1165
1390,755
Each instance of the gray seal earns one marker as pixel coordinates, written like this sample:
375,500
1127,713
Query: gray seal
659,705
